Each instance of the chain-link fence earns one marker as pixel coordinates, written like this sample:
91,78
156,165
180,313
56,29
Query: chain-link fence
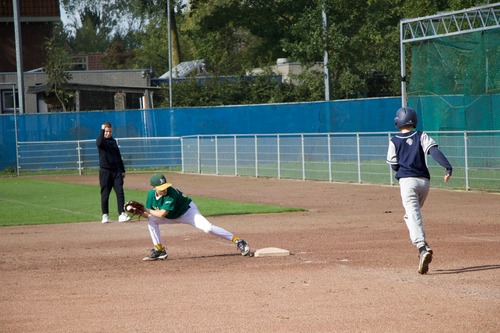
333,157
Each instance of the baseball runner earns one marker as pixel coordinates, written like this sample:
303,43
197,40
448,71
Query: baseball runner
167,205
407,155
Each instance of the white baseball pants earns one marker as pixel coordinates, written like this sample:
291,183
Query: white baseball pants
192,217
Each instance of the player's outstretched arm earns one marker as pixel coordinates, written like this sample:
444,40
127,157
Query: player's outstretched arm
443,161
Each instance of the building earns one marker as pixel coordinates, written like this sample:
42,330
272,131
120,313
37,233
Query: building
37,18
287,69
92,87
92,90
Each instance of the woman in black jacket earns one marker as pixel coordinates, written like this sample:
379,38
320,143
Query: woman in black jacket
111,172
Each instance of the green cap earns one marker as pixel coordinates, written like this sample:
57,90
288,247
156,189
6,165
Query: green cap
159,182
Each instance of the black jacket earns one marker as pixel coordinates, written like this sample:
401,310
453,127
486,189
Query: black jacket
109,153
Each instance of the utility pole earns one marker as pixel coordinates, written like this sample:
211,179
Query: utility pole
169,56
19,56
325,54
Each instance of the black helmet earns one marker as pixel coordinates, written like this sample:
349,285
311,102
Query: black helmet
406,117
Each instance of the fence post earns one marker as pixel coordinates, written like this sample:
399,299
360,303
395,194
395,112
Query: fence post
183,170
216,154
256,156
330,176
198,153
303,157
278,150
359,157
79,162
466,162
18,157
235,139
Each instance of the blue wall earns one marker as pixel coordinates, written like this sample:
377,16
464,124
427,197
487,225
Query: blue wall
362,115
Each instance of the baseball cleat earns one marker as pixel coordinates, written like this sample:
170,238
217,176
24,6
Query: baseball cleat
243,247
425,260
156,255
105,218
123,217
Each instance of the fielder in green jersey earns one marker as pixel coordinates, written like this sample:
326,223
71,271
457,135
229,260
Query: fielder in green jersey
167,205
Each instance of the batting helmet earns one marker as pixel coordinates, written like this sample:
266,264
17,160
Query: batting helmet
406,117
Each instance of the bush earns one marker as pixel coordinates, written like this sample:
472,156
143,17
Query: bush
241,90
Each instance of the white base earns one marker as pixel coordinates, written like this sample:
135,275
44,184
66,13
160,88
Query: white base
271,252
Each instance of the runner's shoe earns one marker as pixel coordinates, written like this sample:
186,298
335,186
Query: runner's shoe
425,260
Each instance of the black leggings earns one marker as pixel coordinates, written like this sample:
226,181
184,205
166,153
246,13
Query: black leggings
111,179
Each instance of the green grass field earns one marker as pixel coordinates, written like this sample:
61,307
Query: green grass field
26,201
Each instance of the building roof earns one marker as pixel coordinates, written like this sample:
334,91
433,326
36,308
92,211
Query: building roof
30,10
185,68
42,88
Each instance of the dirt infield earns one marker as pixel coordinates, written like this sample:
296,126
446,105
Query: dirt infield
352,267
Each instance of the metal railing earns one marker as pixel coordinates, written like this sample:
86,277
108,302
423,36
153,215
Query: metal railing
82,155
333,157
340,157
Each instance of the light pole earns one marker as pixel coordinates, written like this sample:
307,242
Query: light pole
169,56
19,55
325,53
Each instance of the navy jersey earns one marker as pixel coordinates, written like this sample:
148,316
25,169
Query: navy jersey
409,151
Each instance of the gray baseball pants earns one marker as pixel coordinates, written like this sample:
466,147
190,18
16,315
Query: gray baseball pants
414,191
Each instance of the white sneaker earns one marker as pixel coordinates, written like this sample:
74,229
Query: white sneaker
123,218
105,218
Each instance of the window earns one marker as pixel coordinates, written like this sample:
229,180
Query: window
79,63
8,102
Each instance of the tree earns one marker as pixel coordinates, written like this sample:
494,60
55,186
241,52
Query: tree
227,34
156,13
115,16
56,68
154,47
118,57
94,34
235,36
96,25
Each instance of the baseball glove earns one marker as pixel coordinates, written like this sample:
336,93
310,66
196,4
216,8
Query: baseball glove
134,208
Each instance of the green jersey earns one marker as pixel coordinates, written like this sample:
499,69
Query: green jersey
173,201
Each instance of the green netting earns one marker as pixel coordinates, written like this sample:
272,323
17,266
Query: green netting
454,82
